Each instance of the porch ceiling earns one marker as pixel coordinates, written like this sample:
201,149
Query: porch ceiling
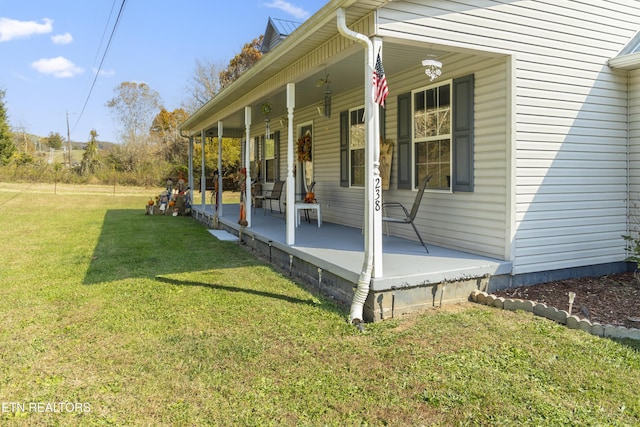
297,59
345,74
288,63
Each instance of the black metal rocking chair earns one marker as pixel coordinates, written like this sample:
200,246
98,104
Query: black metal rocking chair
274,194
409,216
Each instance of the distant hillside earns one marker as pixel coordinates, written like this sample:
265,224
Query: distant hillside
102,145
26,139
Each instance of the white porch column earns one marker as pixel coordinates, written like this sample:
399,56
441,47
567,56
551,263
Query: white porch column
190,176
291,182
203,176
220,131
247,164
373,163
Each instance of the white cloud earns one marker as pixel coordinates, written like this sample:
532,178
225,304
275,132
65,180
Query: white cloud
289,8
12,29
65,38
59,67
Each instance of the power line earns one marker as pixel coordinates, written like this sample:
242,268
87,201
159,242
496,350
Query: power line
104,34
104,55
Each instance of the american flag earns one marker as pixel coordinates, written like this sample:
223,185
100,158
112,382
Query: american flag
380,88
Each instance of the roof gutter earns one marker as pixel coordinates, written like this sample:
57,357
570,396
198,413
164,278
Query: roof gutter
626,62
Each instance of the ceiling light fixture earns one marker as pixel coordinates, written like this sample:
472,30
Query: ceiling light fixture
433,67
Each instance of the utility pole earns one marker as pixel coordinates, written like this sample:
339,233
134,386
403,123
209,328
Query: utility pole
69,140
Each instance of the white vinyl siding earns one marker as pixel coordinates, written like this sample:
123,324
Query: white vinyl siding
570,123
553,125
634,138
475,221
634,152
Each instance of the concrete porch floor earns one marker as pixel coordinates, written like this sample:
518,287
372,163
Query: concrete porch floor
332,257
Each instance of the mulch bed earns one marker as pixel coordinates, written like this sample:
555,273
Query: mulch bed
609,300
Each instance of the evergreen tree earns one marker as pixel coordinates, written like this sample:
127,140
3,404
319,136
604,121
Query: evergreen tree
7,148
90,155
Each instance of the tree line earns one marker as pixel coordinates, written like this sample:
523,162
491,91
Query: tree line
150,147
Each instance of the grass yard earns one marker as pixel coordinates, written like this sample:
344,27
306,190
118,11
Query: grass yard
111,317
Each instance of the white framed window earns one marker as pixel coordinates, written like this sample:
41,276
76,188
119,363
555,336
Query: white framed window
432,135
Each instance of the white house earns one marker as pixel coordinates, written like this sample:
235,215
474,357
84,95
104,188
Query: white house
531,132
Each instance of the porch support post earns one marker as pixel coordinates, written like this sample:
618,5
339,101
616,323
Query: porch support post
190,176
219,195
247,165
364,280
203,176
291,182
373,164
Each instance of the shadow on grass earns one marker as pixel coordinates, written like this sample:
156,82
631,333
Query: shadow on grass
632,344
134,245
282,297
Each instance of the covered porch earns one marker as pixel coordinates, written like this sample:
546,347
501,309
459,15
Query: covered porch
331,257
289,95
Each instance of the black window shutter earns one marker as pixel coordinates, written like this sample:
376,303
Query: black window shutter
463,105
263,162
404,141
344,149
276,155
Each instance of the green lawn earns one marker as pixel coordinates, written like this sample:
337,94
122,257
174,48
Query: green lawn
112,317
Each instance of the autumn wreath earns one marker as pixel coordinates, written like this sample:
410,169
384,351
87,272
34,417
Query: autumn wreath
304,148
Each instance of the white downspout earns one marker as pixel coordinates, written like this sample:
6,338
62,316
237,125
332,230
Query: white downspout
629,203
362,291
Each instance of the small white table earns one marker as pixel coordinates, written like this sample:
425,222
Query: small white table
306,207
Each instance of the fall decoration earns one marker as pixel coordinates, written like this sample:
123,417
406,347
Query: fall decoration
304,148
386,157
310,197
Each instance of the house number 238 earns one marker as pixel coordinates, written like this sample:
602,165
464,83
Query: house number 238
377,194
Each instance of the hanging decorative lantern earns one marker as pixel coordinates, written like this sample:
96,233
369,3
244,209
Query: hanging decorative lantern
433,68
266,110
327,102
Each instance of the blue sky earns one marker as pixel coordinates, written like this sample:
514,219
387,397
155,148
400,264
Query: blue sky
50,52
